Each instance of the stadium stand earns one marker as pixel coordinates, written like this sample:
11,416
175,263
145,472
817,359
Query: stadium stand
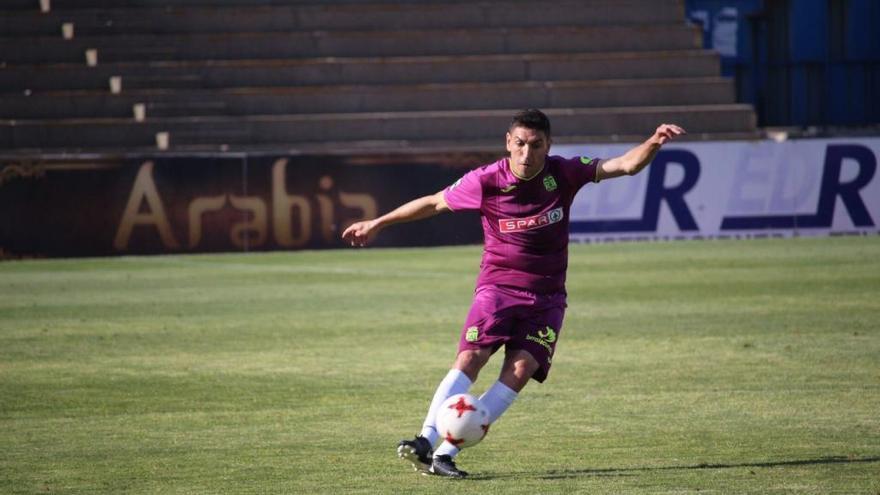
102,75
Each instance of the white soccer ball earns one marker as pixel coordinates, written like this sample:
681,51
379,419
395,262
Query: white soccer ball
462,420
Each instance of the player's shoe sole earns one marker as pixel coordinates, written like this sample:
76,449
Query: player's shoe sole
409,454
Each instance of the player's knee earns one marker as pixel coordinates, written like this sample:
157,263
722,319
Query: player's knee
524,369
470,362
518,370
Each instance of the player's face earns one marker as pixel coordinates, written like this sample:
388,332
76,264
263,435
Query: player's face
528,150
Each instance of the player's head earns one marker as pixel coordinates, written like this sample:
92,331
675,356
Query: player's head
531,118
528,141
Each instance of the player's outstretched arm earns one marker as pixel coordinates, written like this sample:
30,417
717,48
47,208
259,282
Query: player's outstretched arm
634,160
362,233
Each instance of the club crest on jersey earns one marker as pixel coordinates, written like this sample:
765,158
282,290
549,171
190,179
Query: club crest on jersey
549,183
508,225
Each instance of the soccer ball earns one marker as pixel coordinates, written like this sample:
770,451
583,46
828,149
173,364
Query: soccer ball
462,420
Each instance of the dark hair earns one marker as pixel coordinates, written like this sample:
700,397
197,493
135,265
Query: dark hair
531,118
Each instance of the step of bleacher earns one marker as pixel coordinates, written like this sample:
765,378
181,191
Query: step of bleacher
378,16
54,5
75,134
336,71
313,44
375,98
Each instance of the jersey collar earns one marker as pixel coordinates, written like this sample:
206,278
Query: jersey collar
510,169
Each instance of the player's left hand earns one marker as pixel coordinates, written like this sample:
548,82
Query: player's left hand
667,132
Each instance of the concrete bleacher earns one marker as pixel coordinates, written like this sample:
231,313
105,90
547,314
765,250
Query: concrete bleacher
297,74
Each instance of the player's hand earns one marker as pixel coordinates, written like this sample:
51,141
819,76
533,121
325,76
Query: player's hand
360,234
667,132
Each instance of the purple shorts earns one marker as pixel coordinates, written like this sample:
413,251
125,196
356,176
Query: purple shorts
516,319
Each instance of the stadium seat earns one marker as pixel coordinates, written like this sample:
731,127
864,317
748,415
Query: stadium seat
103,75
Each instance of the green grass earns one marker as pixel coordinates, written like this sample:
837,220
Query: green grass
711,367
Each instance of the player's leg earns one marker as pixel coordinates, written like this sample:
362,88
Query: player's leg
489,325
419,451
518,368
464,372
528,355
471,361
486,329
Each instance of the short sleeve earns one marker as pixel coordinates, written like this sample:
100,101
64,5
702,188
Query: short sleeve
581,170
465,193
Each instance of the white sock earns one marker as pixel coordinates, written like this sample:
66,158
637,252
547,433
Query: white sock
447,448
497,399
455,382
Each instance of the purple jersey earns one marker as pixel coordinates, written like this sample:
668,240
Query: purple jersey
525,222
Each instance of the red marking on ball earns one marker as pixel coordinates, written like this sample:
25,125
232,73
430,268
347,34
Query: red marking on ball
454,441
461,406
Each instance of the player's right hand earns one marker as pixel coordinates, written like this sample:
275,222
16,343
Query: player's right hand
360,234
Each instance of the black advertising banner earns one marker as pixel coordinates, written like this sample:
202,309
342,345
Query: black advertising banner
188,204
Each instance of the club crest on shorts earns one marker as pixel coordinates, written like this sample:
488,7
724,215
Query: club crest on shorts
472,334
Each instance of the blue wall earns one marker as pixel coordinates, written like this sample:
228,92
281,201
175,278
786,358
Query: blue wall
800,62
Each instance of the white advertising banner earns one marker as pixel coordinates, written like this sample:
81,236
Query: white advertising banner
734,190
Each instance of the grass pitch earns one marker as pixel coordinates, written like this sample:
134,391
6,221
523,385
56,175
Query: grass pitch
725,367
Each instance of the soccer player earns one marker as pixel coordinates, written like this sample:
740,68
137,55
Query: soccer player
520,297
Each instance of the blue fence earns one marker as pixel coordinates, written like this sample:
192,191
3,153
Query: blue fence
800,62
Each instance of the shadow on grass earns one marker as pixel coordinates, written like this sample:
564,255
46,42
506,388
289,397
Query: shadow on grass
633,471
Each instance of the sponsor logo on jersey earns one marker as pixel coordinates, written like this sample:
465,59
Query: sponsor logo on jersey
508,188
549,183
507,225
